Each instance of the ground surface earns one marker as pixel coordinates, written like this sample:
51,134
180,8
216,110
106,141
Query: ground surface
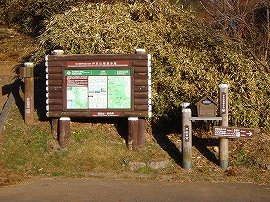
132,190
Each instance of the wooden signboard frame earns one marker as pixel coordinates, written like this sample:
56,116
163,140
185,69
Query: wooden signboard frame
99,85
140,83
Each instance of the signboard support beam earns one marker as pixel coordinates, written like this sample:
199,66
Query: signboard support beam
54,126
141,132
64,131
133,129
186,137
29,93
223,112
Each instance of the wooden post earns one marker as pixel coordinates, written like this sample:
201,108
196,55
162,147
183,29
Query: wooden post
29,93
133,126
54,127
64,131
223,112
58,52
186,137
141,132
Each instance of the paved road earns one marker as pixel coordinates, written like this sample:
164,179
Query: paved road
111,190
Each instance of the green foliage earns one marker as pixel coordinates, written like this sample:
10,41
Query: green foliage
244,159
189,60
28,15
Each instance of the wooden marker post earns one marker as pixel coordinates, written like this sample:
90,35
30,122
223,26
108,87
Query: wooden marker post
186,137
223,112
64,131
28,74
133,127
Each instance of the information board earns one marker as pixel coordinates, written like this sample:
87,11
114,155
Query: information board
98,89
98,85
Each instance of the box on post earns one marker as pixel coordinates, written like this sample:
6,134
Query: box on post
206,107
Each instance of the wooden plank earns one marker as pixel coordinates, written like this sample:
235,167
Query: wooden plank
140,63
141,101
55,70
140,82
58,101
136,114
141,107
141,94
140,69
54,77
52,64
59,113
140,88
55,83
55,107
205,118
58,95
141,76
55,88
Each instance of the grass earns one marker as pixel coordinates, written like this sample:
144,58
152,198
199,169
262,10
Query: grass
92,148
96,149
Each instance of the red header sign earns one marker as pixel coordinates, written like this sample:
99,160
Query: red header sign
227,132
98,64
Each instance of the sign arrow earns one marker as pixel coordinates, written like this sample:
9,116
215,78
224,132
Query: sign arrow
249,133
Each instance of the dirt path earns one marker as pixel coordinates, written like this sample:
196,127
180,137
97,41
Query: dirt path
132,190
14,48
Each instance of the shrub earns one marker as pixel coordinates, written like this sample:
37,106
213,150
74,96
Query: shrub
188,59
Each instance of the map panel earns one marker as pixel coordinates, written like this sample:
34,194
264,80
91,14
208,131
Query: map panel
98,89
119,93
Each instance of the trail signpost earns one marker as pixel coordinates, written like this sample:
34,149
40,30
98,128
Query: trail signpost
206,110
233,132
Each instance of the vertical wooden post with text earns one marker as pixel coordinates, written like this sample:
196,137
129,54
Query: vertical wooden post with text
186,137
223,112
28,74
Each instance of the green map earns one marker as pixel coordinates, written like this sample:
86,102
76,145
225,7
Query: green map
119,93
77,97
98,89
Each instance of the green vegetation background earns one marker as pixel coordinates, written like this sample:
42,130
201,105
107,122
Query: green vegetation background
189,59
